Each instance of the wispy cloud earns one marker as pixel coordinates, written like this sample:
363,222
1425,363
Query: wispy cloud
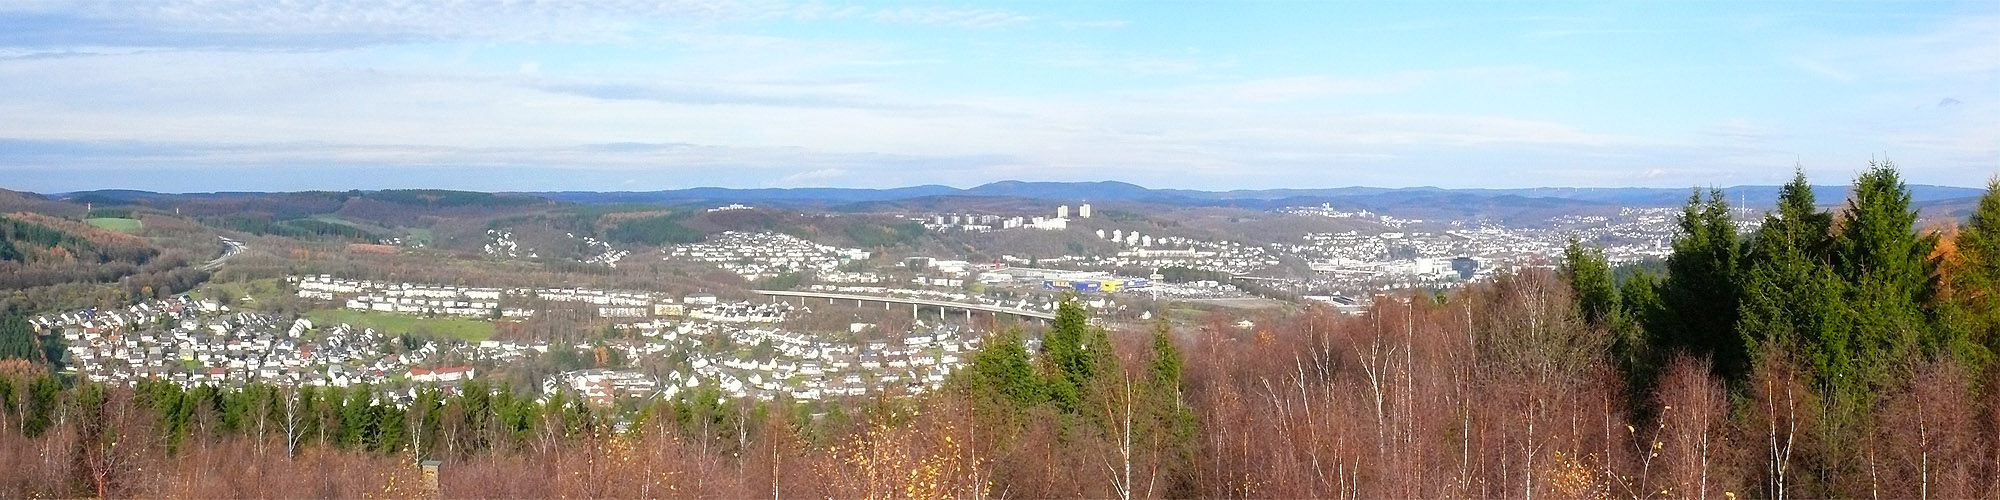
817,177
342,24
1596,32
1958,47
1305,87
981,18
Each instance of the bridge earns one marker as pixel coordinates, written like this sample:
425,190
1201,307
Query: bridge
914,303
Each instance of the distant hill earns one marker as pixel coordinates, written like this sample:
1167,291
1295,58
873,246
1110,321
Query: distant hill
727,195
399,207
1753,196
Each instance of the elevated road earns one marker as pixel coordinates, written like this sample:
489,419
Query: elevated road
912,302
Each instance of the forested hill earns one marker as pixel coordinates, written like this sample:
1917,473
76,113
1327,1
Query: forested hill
1752,196
47,261
265,213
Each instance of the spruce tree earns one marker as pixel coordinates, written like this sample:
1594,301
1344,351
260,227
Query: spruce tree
1069,365
1889,272
1701,294
17,339
1975,273
1791,298
1589,276
1639,304
1170,430
44,394
1002,372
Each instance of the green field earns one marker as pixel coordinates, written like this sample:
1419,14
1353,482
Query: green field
467,329
116,224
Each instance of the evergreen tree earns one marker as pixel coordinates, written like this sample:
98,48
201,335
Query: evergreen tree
1889,270
1976,271
357,419
1639,303
1002,372
44,393
1701,292
1066,357
1791,297
387,435
1170,429
1589,276
17,339
306,413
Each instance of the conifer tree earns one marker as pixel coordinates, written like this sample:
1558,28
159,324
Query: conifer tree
1639,303
1002,372
1791,298
1170,431
1589,277
17,339
44,394
1887,266
1068,362
1701,294
1976,271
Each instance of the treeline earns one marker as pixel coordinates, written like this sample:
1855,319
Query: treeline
1858,298
654,230
303,228
112,213
444,198
867,234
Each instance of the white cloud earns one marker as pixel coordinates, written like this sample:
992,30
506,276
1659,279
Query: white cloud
812,177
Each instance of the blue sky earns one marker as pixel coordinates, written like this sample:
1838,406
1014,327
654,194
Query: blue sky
209,95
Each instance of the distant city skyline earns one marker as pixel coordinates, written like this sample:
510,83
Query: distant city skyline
241,95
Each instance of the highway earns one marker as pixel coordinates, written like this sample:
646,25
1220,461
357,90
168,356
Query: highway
230,249
915,302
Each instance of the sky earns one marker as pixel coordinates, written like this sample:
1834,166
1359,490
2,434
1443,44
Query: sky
626,95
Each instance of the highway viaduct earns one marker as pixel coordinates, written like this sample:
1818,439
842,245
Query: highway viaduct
913,302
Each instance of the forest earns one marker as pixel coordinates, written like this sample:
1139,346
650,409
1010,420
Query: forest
1828,353
48,262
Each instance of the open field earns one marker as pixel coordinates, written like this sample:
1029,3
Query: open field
467,329
118,224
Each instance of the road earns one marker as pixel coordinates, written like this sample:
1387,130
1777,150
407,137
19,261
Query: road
922,302
231,248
